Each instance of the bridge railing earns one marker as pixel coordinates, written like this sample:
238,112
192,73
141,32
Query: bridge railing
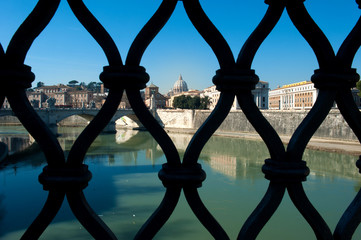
285,169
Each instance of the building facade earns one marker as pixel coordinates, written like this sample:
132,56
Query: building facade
160,101
36,98
260,96
295,96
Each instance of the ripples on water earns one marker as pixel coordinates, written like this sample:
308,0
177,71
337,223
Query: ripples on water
125,189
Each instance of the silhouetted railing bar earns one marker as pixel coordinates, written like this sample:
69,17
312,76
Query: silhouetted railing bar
350,46
210,34
153,127
207,129
349,221
202,213
312,34
251,46
92,25
37,128
310,124
262,126
263,212
304,206
30,29
46,216
285,169
349,111
149,31
87,217
94,128
160,215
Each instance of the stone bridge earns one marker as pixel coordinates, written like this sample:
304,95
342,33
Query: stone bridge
52,116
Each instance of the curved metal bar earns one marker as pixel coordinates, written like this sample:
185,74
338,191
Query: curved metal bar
93,26
207,129
262,126
149,31
352,216
2,52
94,128
149,122
312,33
161,215
251,46
349,111
349,221
304,206
37,128
263,212
310,124
2,99
202,213
46,216
87,217
210,34
33,25
350,46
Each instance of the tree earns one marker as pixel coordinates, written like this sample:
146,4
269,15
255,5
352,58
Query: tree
40,84
72,83
204,103
358,86
91,86
188,102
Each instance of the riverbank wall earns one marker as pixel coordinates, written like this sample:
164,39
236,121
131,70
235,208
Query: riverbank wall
285,123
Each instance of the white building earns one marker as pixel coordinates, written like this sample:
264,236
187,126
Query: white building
301,95
260,95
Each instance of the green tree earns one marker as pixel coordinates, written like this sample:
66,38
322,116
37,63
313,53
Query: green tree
358,86
72,83
188,102
40,84
91,86
204,103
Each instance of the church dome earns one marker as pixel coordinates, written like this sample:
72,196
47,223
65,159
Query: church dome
180,86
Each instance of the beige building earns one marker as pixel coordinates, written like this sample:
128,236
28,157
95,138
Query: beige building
36,98
301,95
160,100
80,99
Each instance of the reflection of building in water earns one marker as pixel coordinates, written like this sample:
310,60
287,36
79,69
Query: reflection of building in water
123,135
16,144
224,164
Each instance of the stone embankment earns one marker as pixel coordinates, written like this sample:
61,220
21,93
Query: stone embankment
333,135
284,122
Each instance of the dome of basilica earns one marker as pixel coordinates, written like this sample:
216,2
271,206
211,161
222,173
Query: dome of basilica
180,86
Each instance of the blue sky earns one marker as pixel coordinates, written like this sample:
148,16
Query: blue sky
65,51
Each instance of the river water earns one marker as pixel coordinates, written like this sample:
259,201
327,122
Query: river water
125,189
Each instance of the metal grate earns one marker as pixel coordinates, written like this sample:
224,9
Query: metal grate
285,169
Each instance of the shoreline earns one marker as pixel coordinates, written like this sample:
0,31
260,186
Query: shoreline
319,144
349,147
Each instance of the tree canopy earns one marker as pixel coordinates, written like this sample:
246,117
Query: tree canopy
358,86
188,102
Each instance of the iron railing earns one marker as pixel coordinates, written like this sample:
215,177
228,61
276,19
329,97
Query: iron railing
67,177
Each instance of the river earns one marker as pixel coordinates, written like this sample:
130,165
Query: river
125,188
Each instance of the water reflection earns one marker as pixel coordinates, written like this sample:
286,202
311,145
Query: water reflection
234,157
125,189
16,143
